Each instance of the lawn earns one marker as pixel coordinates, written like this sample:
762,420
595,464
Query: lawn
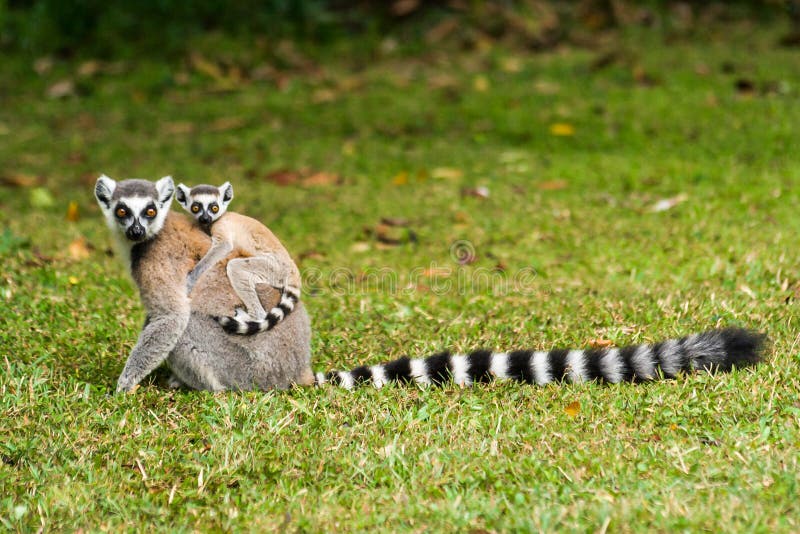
492,198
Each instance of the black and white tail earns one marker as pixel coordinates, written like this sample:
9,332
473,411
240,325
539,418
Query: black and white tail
290,296
712,351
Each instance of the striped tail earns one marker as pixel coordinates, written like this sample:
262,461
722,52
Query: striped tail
290,296
712,351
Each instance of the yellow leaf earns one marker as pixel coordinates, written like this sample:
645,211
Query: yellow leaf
73,280
573,409
447,173
562,129
401,178
481,84
72,212
78,249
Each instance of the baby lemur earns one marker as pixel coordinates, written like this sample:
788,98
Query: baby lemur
161,248
265,260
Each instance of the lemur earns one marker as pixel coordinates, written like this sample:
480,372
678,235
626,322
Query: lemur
266,260
161,248
164,247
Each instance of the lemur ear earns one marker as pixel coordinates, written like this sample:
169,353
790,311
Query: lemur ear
103,190
165,188
226,190
182,195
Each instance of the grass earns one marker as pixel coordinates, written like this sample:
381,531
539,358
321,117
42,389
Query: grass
572,213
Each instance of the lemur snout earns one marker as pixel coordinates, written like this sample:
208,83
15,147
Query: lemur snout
205,219
135,232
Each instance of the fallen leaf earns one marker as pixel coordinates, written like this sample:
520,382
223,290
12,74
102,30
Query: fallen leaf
79,249
226,123
394,221
437,272
544,87
72,212
747,291
359,247
40,197
668,203
180,127
322,178
205,66
311,255
477,192
600,343
573,409
43,65
89,68
20,179
447,173
562,129
283,177
511,64
552,185
401,178
642,77
481,84
401,8
61,89
442,30
321,96
73,280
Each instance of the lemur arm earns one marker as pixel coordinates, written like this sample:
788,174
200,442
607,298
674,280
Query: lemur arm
220,247
156,340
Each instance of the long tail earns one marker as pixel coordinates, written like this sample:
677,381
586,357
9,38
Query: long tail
290,296
712,351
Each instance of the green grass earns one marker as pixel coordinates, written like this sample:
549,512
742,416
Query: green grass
717,453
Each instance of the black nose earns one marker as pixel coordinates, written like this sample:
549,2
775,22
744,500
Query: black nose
205,219
135,232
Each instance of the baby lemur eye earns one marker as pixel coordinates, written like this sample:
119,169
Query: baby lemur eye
195,208
214,208
151,212
121,212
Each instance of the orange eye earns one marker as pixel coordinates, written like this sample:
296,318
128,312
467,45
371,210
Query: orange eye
214,208
121,212
195,208
151,212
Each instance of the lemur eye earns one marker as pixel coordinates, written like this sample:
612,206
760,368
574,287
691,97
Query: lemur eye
214,208
195,208
121,212
151,212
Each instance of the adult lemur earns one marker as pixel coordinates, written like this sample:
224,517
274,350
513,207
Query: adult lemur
163,248
267,262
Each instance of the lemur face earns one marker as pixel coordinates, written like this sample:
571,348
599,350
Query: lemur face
134,208
206,203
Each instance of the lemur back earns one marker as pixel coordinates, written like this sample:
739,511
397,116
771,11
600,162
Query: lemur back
264,261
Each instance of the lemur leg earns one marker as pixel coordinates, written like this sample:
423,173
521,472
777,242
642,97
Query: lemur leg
218,251
246,273
157,339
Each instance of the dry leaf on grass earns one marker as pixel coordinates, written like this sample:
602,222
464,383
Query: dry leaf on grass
61,89
477,192
573,409
79,249
668,203
20,179
552,185
562,129
73,215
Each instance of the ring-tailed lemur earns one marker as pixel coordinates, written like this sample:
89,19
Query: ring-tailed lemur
164,248
161,249
266,260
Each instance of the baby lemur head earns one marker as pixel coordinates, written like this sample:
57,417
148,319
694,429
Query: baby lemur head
206,203
135,208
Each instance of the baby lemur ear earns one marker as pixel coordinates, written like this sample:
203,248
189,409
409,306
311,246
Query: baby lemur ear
103,190
182,195
165,188
226,191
